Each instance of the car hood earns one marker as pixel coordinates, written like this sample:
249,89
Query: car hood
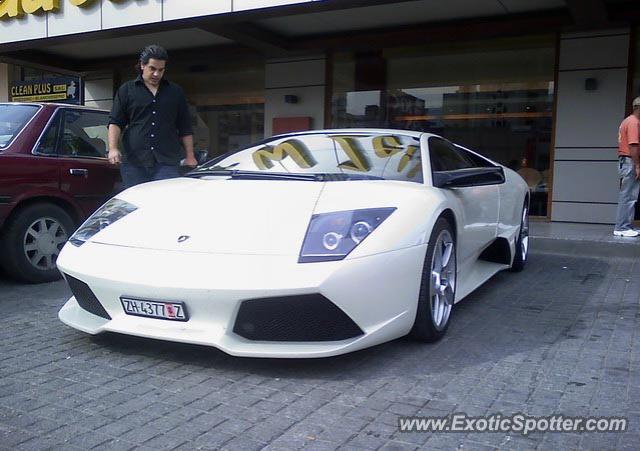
262,217
216,216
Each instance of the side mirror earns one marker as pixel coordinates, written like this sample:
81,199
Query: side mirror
201,156
460,178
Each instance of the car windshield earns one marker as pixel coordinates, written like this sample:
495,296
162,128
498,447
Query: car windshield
352,156
13,118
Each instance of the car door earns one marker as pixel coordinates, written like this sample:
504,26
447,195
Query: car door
21,175
477,206
78,140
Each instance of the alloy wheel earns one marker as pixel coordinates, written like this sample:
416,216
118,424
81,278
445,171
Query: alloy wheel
43,242
443,279
524,233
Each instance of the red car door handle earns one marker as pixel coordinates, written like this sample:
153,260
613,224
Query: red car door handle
79,172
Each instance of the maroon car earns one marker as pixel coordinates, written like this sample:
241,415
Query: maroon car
53,174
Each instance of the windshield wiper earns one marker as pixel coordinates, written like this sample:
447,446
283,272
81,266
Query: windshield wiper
251,175
339,177
237,174
202,172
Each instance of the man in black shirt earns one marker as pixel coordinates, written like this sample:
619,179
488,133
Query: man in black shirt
154,115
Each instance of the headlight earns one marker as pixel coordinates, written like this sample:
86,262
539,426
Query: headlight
105,216
331,236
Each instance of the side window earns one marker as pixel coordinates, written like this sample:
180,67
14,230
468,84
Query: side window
475,159
445,157
84,134
47,144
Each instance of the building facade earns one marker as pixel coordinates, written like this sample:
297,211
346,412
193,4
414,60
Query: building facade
538,85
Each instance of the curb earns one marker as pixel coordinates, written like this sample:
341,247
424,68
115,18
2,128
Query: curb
585,248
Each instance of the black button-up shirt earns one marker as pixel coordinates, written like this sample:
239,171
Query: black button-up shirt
152,125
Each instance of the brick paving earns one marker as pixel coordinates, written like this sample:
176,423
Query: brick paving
559,338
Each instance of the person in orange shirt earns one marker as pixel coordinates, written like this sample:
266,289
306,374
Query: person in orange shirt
629,172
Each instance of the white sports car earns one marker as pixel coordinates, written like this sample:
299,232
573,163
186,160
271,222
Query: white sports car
305,245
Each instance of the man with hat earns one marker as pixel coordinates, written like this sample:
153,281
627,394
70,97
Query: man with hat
629,172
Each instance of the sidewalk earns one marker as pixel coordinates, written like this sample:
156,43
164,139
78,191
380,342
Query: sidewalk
581,240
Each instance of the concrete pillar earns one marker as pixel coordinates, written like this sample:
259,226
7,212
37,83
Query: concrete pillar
98,90
4,82
585,178
303,77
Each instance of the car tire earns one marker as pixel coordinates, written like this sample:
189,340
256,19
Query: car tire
437,293
31,241
522,243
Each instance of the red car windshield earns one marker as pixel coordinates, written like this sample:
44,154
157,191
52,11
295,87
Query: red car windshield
13,118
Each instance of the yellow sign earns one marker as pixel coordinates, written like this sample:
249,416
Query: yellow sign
42,98
61,89
17,8
10,8
36,88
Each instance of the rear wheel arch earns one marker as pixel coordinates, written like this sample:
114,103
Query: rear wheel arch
451,219
72,211
521,247
43,224
448,215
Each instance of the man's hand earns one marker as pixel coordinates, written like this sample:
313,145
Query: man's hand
190,161
114,156
638,172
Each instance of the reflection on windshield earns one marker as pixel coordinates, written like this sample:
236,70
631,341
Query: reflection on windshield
294,148
385,156
12,119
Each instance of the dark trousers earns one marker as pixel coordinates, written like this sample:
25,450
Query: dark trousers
134,175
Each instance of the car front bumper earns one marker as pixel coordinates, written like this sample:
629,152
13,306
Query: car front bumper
379,293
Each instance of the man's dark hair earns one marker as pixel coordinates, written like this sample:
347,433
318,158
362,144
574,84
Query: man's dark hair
153,51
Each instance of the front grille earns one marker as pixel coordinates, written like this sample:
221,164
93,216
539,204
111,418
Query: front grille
85,297
310,317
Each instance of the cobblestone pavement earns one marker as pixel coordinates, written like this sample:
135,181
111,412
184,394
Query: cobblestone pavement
560,337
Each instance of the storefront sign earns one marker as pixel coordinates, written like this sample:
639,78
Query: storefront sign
58,89
17,8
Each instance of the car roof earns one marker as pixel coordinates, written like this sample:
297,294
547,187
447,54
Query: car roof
50,105
376,131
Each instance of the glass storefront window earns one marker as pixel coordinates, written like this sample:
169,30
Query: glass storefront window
226,102
635,89
25,73
635,84
495,97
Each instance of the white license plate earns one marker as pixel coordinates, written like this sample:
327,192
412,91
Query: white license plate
172,311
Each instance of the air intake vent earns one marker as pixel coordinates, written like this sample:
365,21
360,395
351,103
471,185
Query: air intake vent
85,297
302,318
